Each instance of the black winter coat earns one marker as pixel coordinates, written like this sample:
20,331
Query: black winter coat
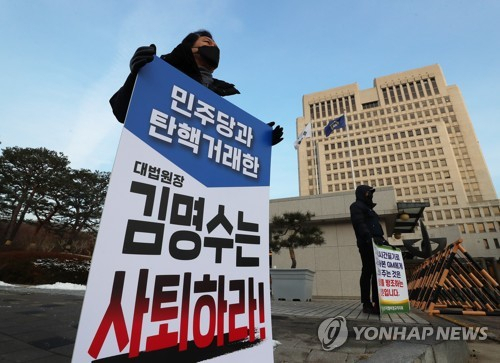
364,219
182,59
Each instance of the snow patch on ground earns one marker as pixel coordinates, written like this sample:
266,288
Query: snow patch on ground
56,286
61,286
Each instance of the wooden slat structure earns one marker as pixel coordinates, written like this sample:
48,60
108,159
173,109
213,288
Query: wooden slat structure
451,282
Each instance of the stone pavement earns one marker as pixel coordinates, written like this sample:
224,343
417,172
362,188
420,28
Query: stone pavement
295,326
40,326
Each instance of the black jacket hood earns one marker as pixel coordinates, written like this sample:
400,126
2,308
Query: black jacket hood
360,194
182,58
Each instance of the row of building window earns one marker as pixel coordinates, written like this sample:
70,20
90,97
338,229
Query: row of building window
422,190
362,126
376,160
487,227
384,123
386,170
448,214
398,180
415,154
389,136
424,104
408,91
400,135
332,107
478,227
487,245
340,105
410,191
368,105
413,115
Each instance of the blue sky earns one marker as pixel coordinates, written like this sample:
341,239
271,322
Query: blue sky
62,60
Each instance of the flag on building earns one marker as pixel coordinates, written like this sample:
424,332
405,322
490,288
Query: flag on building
303,134
336,123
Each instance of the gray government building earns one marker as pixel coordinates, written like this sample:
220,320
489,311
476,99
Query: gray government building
410,137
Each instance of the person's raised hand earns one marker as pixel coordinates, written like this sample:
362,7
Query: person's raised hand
142,56
277,133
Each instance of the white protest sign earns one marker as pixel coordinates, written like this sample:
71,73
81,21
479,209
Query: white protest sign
391,280
180,270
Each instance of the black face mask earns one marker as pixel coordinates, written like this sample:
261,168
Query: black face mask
210,54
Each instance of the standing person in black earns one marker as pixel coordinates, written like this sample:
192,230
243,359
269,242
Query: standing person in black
367,228
197,56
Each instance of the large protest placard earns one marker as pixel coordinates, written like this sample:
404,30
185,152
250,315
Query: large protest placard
391,280
180,269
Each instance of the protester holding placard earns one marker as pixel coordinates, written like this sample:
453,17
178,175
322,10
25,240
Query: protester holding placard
367,228
197,56
180,267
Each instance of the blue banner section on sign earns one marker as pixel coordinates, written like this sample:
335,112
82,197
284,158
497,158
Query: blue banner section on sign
208,137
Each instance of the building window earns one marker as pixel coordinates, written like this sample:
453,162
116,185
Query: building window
495,240
398,92
490,226
427,87
496,210
435,86
393,96
412,89
420,89
405,91
486,245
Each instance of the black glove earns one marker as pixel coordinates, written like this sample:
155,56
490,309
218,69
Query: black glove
277,133
142,56
380,241
223,88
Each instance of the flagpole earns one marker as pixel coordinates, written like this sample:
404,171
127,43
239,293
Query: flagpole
350,152
316,161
